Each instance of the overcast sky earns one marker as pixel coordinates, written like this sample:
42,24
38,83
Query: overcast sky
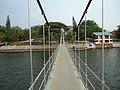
60,11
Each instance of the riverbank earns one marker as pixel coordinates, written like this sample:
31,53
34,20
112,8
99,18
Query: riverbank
82,46
116,44
25,48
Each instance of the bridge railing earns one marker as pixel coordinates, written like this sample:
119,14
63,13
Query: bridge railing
41,79
81,71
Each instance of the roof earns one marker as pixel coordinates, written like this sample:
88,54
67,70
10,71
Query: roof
100,33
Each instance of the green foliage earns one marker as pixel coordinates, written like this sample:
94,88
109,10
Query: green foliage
25,35
91,27
69,35
118,32
58,25
2,37
8,25
57,34
17,34
2,34
2,29
14,34
37,31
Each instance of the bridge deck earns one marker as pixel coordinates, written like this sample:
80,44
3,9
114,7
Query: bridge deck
64,75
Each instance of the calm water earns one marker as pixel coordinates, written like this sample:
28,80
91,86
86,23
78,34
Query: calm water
15,68
112,67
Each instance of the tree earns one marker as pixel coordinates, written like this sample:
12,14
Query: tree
17,34
91,27
69,36
14,34
118,32
25,34
58,26
2,37
37,31
2,34
8,25
74,24
2,29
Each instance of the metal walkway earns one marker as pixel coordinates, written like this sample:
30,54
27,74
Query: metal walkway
64,75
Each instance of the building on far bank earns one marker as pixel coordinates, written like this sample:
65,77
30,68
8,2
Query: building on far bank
97,39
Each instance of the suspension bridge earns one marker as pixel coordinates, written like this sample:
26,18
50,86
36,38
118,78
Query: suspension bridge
64,75
63,70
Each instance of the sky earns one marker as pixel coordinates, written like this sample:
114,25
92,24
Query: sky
60,11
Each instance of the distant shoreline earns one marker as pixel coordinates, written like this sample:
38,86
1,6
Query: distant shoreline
35,48
25,48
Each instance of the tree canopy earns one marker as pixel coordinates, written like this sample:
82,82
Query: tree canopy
18,34
8,24
58,25
117,32
91,27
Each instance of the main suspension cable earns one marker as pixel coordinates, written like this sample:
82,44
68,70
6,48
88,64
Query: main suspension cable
42,11
85,11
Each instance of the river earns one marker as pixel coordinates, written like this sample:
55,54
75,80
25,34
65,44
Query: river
112,67
15,68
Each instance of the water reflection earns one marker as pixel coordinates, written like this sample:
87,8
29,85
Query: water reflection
112,65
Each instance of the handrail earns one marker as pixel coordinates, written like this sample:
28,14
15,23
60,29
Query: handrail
87,79
84,75
89,68
91,83
45,76
44,79
72,54
30,88
39,74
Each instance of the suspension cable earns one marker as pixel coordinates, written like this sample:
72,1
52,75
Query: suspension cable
86,54
79,48
49,43
42,11
75,48
103,56
49,39
44,50
52,44
85,11
30,44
